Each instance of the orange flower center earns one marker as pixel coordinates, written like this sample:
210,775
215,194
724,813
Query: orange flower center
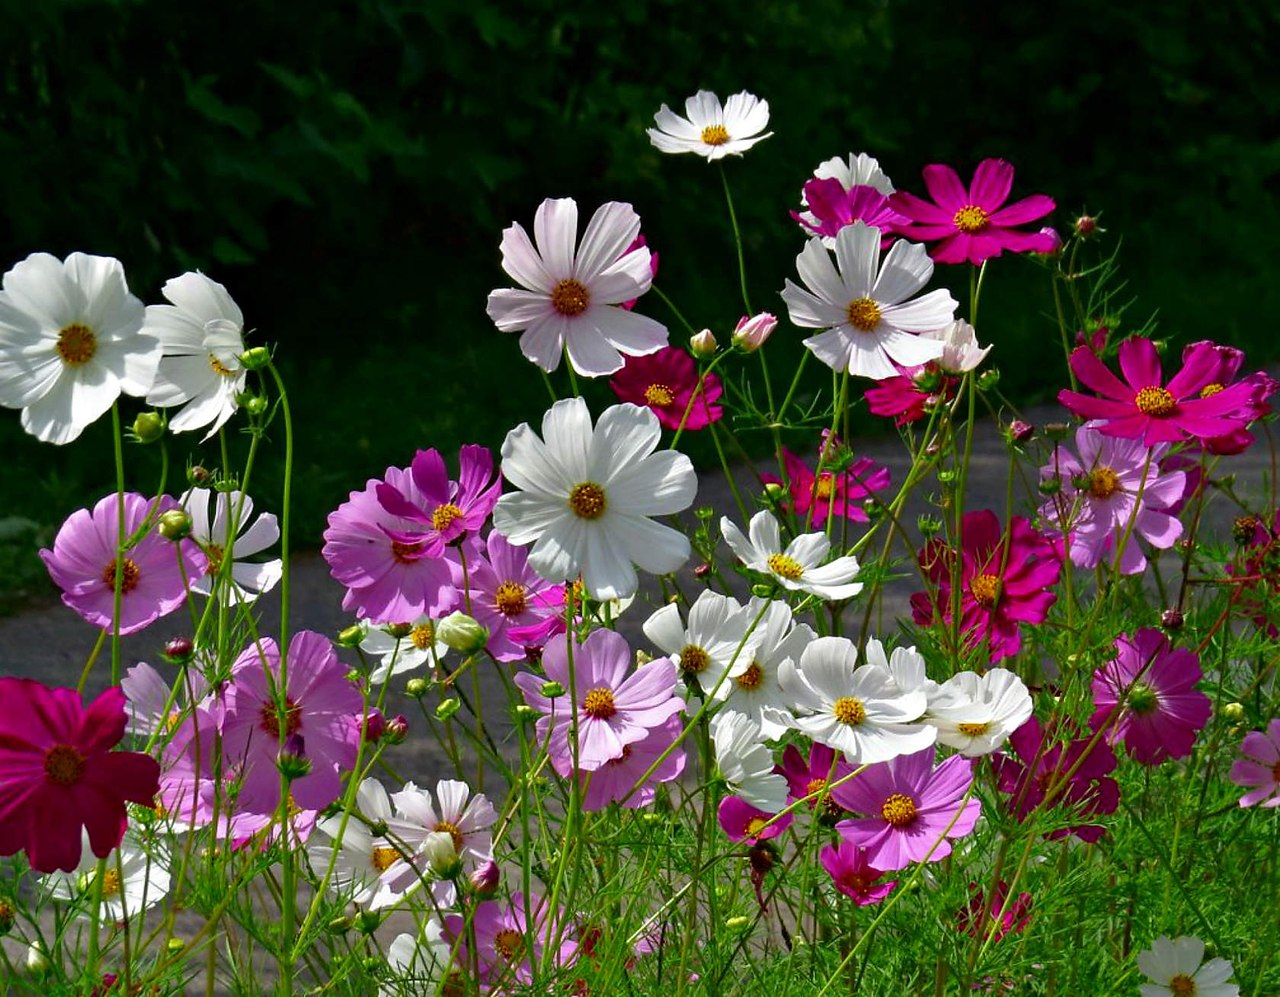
899,810
77,344
971,218
985,590
130,580
570,298
849,711
973,730
693,658
715,135
814,786
1155,401
659,395
823,489
443,515
110,883
509,943
383,857
423,636
751,678
213,558
754,826
63,765
785,567
445,827
219,368
1182,986
1209,390
864,314
270,719
1103,482
599,704
587,500
509,598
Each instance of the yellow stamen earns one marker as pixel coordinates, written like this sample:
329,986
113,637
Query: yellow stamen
864,314
1103,482
659,395
382,858
715,135
1155,401
423,636
510,599
587,500
985,590
971,218
849,711
899,810
785,567
693,658
130,580
599,704
750,679
570,298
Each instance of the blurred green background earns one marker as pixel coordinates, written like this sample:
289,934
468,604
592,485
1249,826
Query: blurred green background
346,170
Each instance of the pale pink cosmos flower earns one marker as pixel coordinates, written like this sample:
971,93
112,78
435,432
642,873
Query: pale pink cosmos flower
508,937
505,593
743,821
1258,767
616,780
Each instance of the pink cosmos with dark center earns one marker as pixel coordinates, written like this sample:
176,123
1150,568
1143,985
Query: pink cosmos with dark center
999,590
505,595
59,776
1146,696
740,821
974,225
667,384
1258,767
813,496
911,809
441,510
614,708
1143,407
853,875
992,919
83,564
833,208
613,781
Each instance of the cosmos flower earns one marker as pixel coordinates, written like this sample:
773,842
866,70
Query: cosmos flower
505,595
1258,767
443,511
745,762
716,646
508,937
853,875
755,690
800,567
133,881
857,170
667,383
975,714
832,206
1173,965
710,130
812,496
992,918
417,646
812,775
465,817
232,527
741,821
616,780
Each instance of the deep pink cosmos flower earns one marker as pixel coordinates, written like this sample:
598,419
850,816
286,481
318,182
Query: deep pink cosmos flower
1043,773
805,777
667,383
1258,767
505,595
387,581
998,591
1142,407
853,875
1257,571
442,511
1262,386
323,709
974,224
614,780
911,395
83,564
813,496
1146,696
910,808
614,708
992,919
639,243
59,776
833,207
509,937
740,821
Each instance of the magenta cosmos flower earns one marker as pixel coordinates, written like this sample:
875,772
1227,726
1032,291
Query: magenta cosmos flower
806,777
83,564
614,709
505,595
1141,407
1146,696
1258,767
813,496
667,383
832,207
853,875
974,224
911,809
443,511
323,709
1262,386
992,919
913,394
59,776
741,821
999,590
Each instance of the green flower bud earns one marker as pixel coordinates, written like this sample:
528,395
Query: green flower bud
774,492
441,855
1050,486
350,636
526,712
462,633
340,925
399,630
447,708
148,427
174,524
946,476
552,690
253,404
367,922
1234,712
255,358
737,923
928,525
703,344
762,589
176,944
37,959
417,687
988,379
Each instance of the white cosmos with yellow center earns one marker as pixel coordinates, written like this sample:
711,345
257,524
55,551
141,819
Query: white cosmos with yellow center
800,566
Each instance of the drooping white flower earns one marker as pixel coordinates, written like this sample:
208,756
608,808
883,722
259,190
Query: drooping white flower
419,963
132,881
421,647
745,762
226,530
370,871
756,691
586,497
1173,966
715,641
71,341
975,714
569,293
960,350
799,567
709,129
867,309
202,336
857,710
859,170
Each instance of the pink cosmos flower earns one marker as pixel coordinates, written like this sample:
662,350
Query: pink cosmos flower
1190,406
1043,773
636,244
999,590
974,225
813,496
1099,490
1262,385
855,877
509,937
832,207
614,709
1259,767
667,383
911,808
913,394
993,919
743,822
1146,696
323,710
805,777
83,564
59,776
614,780
1257,571
504,596
387,580
442,510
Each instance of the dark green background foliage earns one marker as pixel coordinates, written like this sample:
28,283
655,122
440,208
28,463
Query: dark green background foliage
346,170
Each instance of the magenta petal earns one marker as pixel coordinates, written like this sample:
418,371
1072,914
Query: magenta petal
1027,210
944,186
1140,363
920,210
992,182
1096,376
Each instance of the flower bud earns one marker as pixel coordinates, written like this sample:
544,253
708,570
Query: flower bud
1171,618
1056,247
703,344
417,687
735,923
441,855
643,657
350,636
762,589
928,379
373,726
367,922
1086,226
462,633
874,508
753,331
1020,432
774,493
253,404
293,762
397,729
174,525
199,477
255,358
178,650
37,959
989,378
1234,712
704,513
928,525
524,711
947,476
148,427
702,570
447,708
552,690
8,914
340,925
399,630
485,879
1049,486
1243,528
176,944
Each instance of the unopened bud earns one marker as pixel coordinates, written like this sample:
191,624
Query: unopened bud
552,690
367,922
1055,244
174,524
441,855
462,633
484,880
1234,712
447,708
946,476
8,914
1086,226
373,727
928,525
340,925
293,762
397,729
37,959
417,687
1049,486
178,650
989,378
350,636
199,477
702,570
703,344
148,427
399,630
762,590
753,331
1243,528
524,711
255,358
176,944
1021,432
1171,618
735,923
704,512
253,404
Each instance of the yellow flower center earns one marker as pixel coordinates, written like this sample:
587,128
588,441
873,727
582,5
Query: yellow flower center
219,368
1209,390
383,857
1155,401
509,943
130,580
442,516
509,598
1103,482
587,500
864,314
599,704
823,489
63,765
659,395
985,590
1182,986
423,636
213,559
77,344
751,678
715,135
570,298
849,711
110,883
970,219
785,567
899,810
814,786
693,658
973,730
754,826
453,831
270,719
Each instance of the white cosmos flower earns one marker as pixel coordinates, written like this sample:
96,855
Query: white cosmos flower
132,881
465,818
709,129
858,170
1173,966
860,711
961,352
905,664
586,496
370,871
716,640
975,714
745,762
71,341
418,648
865,307
799,567
224,530
202,335
570,295
153,707
420,963
756,691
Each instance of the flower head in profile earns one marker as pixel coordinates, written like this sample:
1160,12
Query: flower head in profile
961,351
231,527
745,762
1258,767
667,383
867,309
716,646
1176,968
586,497
59,776
71,342
974,225
800,567
857,170
853,874
571,295
975,714
712,130
741,821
